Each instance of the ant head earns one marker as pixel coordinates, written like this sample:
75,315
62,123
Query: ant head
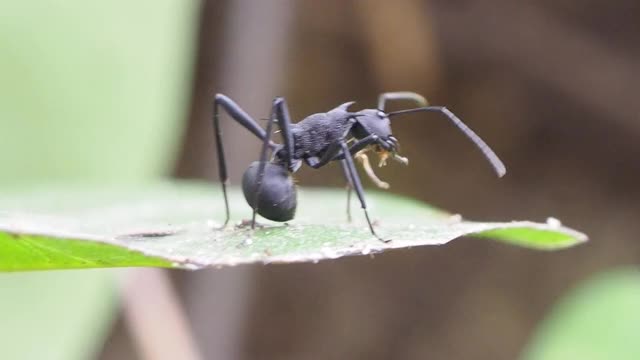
374,122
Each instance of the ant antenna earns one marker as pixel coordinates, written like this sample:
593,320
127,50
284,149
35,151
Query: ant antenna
497,164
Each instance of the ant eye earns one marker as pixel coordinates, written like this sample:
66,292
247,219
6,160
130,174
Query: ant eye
381,114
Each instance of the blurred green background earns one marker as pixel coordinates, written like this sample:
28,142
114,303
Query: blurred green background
89,91
121,92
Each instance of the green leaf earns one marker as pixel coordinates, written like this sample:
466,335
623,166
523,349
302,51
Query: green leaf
598,320
175,225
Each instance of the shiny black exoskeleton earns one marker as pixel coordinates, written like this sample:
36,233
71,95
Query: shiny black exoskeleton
338,134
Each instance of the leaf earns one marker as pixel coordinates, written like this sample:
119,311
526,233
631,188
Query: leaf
598,320
176,225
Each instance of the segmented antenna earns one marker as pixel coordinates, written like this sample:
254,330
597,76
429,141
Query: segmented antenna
497,164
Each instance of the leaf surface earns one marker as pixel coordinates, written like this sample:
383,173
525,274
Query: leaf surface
177,225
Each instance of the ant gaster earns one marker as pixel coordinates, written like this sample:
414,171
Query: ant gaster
336,135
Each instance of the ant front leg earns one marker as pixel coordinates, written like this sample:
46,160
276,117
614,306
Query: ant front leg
357,185
240,116
361,144
356,150
364,160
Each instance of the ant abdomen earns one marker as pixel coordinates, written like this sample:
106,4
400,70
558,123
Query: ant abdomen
277,198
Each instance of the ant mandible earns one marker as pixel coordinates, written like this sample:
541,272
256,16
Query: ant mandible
318,139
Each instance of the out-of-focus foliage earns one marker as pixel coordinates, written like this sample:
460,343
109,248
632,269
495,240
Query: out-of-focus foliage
90,91
598,320
55,315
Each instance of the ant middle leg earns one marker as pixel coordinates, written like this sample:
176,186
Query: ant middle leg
349,187
261,167
281,111
364,161
267,184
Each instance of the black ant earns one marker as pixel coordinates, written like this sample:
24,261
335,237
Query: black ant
318,139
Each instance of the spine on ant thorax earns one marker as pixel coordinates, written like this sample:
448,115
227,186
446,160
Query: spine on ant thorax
313,135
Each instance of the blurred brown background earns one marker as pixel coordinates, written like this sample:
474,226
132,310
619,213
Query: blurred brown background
550,85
